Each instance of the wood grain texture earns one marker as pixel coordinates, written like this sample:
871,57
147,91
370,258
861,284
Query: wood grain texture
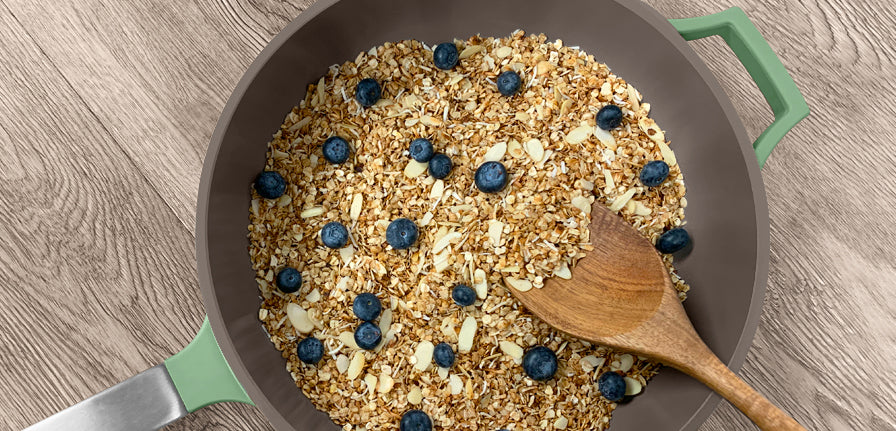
106,108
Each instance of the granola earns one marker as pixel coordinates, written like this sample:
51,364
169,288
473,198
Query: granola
536,228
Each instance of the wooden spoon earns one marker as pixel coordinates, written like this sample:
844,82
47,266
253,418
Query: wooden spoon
620,295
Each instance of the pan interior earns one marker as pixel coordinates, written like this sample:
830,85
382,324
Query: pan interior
726,204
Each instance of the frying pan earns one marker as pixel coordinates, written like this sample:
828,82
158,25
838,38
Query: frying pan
232,359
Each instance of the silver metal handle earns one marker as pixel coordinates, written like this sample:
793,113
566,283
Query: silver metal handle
145,402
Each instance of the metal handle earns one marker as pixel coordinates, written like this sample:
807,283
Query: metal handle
193,378
766,69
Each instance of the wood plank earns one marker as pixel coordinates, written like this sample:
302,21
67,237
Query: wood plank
98,274
156,73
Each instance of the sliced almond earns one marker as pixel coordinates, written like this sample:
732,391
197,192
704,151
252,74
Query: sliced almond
561,423
521,116
455,78
423,355
495,230
579,134
466,335
503,52
515,149
426,219
456,384
442,373
279,155
348,339
632,386
385,321
414,169
520,285
668,155
440,261
299,124
428,120
415,396
312,212
605,137
563,272
445,241
313,296
370,381
535,150
565,107
342,363
298,317
544,67
634,98
357,202
356,365
625,362
386,383
471,50
346,253
620,201
480,284
495,153
437,190
641,209
511,349
583,203
649,127
608,179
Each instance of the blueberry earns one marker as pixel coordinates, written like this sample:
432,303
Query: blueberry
421,150
540,363
368,92
367,307
509,83
401,233
609,117
463,295
445,55
440,166
443,354
491,177
673,240
336,150
310,350
368,336
654,173
334,235
611,385
415,420
270,185
289,280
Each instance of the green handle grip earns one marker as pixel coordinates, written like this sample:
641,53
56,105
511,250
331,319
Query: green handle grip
764,66
201,374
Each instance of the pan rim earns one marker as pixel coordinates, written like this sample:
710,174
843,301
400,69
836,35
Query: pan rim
651,17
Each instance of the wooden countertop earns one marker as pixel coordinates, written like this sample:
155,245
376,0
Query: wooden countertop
106,109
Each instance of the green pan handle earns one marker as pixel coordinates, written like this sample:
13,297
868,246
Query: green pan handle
186,382
201,374
764,67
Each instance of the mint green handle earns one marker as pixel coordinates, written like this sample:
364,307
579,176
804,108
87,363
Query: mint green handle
764,66
201,374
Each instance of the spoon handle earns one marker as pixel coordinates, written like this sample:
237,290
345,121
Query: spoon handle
708,369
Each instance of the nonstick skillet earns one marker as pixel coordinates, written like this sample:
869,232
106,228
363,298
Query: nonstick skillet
232,358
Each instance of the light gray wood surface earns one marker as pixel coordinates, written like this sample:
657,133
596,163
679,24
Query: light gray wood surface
106,109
